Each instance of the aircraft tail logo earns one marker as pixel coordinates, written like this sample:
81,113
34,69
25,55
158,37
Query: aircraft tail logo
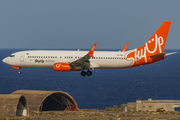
157,42
155,45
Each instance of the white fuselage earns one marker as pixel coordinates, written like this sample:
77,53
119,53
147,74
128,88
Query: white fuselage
47,59
66,61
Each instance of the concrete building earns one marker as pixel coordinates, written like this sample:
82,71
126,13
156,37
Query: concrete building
150,105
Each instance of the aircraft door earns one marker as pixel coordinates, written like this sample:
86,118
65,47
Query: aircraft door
21,57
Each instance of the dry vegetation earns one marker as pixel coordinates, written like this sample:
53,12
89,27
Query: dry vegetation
109,113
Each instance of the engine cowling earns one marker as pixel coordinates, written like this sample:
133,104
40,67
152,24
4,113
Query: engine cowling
63,67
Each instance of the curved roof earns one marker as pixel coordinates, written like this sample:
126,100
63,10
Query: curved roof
11,103
48,100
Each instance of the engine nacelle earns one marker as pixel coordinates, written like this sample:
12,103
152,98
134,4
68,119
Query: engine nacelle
63,67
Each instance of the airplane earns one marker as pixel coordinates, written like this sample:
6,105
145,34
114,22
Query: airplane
66,61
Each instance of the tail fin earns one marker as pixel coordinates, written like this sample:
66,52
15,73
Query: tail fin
156,43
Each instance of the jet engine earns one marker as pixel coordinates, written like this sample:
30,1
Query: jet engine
63,67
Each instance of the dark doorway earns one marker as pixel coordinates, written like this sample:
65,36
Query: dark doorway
56,102
21,107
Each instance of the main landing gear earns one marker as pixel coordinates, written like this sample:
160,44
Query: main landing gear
88,73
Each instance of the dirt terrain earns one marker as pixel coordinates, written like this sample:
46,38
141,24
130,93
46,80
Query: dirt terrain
96,115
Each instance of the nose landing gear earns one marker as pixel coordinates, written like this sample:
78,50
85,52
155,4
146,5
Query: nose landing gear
15,67
19,72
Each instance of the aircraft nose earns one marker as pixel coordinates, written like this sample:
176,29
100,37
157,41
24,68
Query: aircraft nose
5,60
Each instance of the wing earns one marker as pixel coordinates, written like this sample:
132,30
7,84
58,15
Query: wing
84,63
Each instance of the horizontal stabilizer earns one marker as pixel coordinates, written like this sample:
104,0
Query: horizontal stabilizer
162,54
158,55
170,53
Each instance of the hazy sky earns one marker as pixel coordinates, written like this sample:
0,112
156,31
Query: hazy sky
71,24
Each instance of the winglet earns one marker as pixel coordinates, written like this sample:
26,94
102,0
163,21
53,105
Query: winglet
92,50
125,47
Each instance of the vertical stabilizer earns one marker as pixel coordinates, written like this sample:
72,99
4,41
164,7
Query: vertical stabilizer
155,45
157,41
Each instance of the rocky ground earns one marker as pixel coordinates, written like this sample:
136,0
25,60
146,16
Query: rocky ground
97,115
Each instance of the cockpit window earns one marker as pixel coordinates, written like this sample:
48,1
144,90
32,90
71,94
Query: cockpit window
12,55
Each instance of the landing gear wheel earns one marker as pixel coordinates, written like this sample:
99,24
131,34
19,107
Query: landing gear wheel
19,72
89,73
83,73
